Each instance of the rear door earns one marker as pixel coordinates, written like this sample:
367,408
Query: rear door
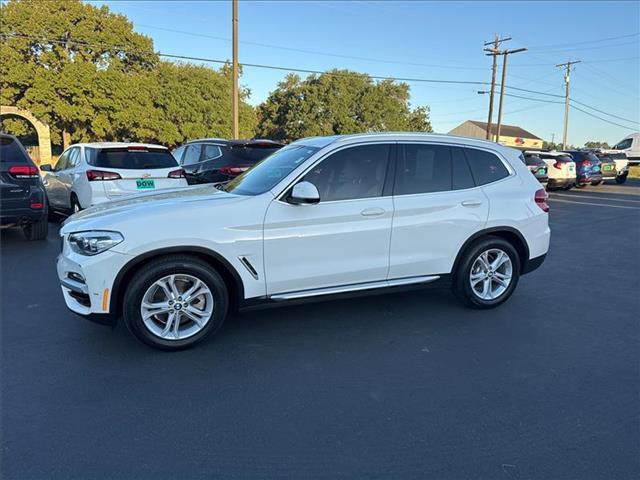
437,208
139,169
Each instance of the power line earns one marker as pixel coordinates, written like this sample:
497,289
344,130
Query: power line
603,112
600,118
595,47
586,41
312,52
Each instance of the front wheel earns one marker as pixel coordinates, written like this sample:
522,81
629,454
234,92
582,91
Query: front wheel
175,302
621,178
595,184
487,274
580,185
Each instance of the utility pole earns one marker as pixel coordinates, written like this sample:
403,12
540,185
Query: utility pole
234,89
496,43
505,54
567,74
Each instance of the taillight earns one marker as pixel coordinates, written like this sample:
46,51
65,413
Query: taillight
586,163
541,198
177,173
557,165
233,170
101,175
37,205
23,171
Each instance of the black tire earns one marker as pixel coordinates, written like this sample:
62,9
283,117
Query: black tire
569,186
580,185
75,204
620,179
37,231
595,184
155,270
461,285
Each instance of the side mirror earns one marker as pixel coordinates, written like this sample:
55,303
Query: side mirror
46,168
304,193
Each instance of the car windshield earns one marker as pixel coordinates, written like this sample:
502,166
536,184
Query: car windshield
266,174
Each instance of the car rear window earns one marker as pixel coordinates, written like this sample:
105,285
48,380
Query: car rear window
249,154
10,151
130,159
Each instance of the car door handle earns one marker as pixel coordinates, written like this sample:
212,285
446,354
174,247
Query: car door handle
472,203
372,212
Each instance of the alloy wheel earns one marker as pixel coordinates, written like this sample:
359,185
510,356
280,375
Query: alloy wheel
177,306
491,274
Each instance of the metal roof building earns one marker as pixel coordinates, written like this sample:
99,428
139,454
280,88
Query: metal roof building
510,135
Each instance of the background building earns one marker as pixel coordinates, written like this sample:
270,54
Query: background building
510,135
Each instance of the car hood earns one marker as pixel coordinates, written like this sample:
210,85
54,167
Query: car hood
108,214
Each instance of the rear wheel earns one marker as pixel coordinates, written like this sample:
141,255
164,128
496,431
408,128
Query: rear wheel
621,178
75,204
175,302
595,184
487,274
37,230
568,186
580,185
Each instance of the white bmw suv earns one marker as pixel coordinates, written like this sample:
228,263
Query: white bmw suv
324,215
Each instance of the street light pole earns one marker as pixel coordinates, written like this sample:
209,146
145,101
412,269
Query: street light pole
234,89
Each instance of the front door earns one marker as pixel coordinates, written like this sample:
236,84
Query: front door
342,240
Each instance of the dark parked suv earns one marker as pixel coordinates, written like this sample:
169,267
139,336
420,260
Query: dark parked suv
22,198
216,160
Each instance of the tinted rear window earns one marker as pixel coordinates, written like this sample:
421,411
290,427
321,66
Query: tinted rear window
130,159
248,155
10,151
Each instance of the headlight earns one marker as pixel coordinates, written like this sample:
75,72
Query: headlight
93,242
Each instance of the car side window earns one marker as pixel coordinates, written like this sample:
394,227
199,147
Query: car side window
485,166
177,153
192,155
462,177
211,152
356,172
624,144
72,160
423,168
61,164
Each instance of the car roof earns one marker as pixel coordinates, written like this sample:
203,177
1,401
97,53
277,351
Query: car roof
237,142
399,137
106,145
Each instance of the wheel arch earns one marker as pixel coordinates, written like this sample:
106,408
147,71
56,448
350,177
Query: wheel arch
510,234
228,273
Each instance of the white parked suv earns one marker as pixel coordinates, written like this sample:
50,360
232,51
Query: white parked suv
324,215
87,174
561,169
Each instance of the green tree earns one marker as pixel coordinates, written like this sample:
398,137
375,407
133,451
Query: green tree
85,72
592,144
55,52
338,102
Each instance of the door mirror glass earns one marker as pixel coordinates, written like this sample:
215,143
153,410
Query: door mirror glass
46,168
304,193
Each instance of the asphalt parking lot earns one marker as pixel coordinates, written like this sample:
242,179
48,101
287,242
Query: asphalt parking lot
404,385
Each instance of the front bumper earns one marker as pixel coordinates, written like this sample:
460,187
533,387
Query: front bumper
87,281
560,182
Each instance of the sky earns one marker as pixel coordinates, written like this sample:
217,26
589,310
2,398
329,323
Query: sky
428,40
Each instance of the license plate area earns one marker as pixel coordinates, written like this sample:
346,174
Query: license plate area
145,184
